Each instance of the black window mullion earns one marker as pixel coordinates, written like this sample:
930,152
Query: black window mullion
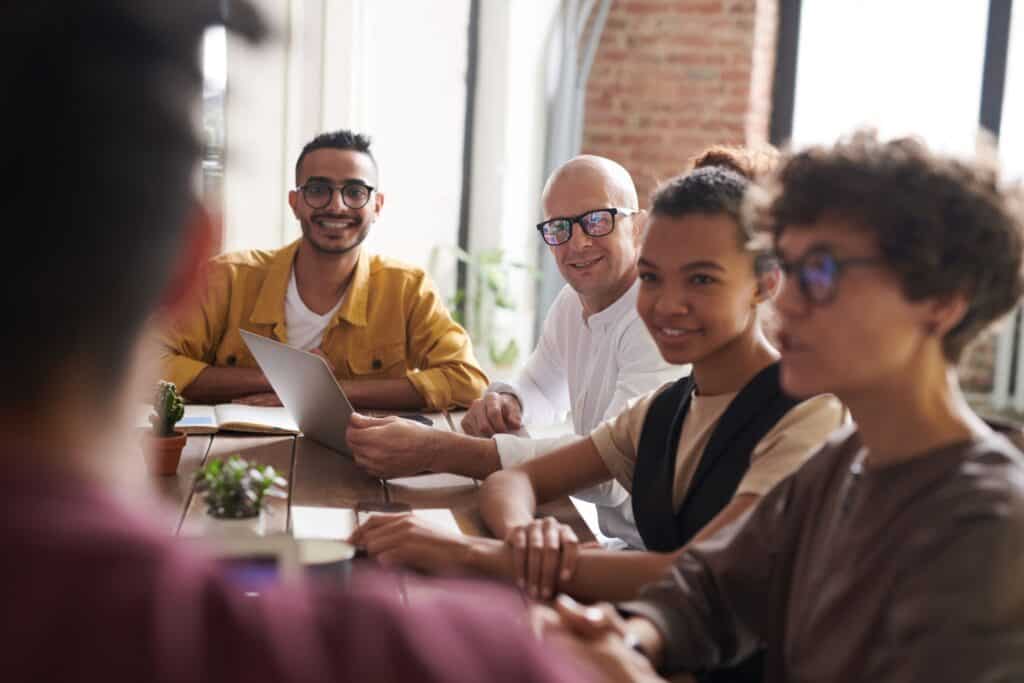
993,80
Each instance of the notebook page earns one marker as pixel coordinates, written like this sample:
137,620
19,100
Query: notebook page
259,419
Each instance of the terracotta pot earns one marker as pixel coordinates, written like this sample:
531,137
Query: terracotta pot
162,453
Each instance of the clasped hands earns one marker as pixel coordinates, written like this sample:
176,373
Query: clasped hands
539,556
544,555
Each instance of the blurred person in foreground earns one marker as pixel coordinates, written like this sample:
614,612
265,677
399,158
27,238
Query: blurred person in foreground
99,181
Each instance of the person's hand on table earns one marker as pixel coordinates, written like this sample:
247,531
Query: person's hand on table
494,413
268,398
544,553
390,446
596,635
406,540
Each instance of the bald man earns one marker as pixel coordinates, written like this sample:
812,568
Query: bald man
594,353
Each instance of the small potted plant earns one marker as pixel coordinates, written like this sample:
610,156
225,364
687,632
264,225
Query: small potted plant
236,490
163,449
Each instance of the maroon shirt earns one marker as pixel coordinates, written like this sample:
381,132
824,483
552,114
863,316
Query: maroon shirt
91,592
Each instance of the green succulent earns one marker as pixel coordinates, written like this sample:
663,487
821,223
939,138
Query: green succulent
236,489
169,409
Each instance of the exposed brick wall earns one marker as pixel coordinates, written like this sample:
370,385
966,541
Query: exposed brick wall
977,367
673,76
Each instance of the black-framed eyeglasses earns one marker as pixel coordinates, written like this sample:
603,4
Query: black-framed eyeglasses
818,271
596,223
318,194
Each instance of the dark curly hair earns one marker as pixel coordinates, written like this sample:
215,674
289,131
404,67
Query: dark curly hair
943,225
718,183
710,189
753,163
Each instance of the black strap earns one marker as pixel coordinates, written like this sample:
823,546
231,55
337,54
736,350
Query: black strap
726,459
751,415
654,473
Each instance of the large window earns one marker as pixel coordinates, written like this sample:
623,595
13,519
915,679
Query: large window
1011,136
415,110
912,66
214,84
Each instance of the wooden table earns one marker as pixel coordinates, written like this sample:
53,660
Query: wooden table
321,478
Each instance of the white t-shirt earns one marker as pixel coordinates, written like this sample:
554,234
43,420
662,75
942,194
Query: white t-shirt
591,367
305,328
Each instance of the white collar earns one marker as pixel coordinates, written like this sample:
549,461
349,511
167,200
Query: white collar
619,310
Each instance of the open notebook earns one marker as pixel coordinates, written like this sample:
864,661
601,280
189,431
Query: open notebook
233,417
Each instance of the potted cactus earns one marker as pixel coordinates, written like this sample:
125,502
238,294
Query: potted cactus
163,448
236,490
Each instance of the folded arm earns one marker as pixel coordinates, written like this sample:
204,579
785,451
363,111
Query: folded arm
620,574
188,346
449,374
218,385
509,498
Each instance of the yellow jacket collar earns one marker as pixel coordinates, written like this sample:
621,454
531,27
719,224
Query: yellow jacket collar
269,308
353,308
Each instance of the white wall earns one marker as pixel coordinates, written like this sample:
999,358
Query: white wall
255,108
415,109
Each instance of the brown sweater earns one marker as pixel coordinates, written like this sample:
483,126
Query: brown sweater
911,572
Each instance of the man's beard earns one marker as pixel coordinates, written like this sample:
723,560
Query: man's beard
309,232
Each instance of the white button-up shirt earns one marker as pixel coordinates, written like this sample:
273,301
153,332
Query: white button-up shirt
590,367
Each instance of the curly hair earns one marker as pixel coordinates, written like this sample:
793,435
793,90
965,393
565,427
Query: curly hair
945,226
718,183
753,163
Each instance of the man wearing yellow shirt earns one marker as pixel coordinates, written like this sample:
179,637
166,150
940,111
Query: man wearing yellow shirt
381,325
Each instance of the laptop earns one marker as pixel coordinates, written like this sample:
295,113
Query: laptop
307,388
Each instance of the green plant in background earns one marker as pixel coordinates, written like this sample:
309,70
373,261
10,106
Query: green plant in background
236,489
169,409
489,289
